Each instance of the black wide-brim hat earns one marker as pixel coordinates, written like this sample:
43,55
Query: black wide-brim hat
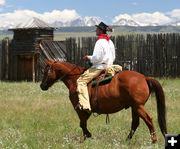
104,27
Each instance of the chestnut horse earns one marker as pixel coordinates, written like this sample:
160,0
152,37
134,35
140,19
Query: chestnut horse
126,89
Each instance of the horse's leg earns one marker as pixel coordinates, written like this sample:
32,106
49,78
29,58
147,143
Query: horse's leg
148,120
83,116
134,124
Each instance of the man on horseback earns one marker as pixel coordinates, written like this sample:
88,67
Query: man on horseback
103,57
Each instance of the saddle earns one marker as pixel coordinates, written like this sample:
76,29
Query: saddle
102,79
106,75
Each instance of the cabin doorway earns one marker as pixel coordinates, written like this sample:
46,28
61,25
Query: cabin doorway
26,65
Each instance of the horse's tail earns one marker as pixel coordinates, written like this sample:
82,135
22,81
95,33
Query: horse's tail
156,87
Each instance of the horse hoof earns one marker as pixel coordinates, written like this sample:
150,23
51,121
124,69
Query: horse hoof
88,135
128,138
82,139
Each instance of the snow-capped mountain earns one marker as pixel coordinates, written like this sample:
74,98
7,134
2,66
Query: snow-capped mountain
130,22
153,24
87,21
126,22
77,22
175,23
90,21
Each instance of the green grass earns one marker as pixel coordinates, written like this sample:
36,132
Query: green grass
34,119
60,36
63,35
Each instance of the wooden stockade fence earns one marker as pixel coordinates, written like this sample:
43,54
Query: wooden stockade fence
151,54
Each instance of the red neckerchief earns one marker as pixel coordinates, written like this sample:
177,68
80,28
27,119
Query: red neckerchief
103,36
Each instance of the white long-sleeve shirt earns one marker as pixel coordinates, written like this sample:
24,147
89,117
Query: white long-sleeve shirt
103,54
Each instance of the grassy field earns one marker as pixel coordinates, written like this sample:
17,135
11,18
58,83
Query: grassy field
34,119
59,36
64,35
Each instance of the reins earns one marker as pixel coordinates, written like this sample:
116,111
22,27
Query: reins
64,75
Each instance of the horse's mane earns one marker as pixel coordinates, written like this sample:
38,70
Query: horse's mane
73,66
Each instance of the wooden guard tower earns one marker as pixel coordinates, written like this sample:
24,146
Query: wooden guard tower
24,49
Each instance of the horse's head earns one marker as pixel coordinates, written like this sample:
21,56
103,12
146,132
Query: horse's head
60,71
49,75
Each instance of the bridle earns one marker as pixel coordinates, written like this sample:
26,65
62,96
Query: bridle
64,75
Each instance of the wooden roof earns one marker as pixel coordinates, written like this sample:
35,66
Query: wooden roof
54,50
33,23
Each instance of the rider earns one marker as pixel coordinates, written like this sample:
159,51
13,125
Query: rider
103,56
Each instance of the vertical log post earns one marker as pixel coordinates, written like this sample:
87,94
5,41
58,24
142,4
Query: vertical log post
33,68
7,59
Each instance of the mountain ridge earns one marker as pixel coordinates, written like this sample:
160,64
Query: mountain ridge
91,21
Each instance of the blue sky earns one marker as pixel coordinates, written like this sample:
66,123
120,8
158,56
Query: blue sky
103,9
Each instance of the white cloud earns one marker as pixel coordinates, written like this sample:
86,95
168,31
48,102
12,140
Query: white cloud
63,16
12,19
66,16
174,13
152,18
145,18
2,2
121,16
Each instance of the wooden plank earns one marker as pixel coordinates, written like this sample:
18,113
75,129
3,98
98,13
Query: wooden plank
33,69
